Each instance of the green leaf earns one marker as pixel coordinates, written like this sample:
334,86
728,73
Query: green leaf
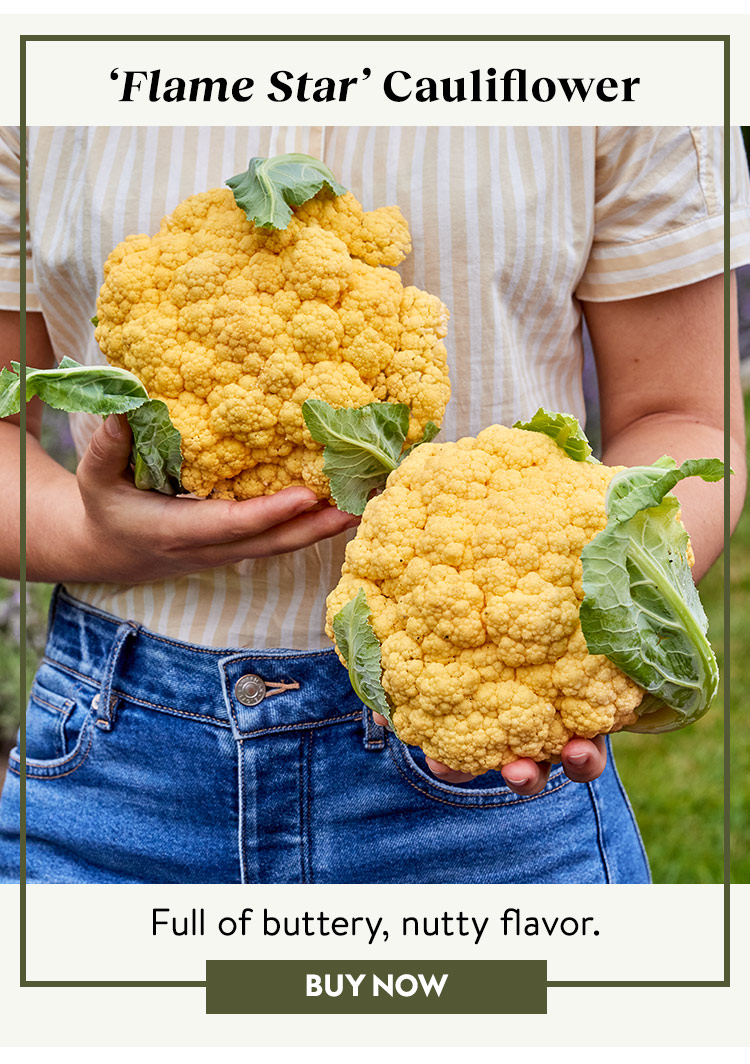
104,390
157,448
430,432
75,388
655,717
360,649
10,392
362,446
638,487
641,608
94,321
564,430
269,188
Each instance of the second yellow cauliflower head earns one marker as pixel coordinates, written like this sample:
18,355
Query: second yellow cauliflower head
470,562
235,326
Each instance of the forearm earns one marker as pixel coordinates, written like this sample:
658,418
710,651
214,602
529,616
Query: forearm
660,361
702,504
54,513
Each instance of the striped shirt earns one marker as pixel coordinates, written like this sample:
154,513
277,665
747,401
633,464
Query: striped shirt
511,227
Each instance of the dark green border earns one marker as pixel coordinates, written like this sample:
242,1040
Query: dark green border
647,37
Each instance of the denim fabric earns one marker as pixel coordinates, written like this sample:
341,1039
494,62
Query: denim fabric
144,766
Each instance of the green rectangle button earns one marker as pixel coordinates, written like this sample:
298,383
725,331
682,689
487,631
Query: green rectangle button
400,986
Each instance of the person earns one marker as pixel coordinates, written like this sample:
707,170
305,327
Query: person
144,764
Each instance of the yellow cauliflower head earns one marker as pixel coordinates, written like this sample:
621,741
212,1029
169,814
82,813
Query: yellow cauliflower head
470,563
234,326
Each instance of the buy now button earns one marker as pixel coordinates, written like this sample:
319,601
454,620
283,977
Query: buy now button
384,986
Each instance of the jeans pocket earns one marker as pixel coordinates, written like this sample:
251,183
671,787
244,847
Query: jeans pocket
59,725
484,792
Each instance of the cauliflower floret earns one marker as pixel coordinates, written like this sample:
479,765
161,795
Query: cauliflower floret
235,326
470,563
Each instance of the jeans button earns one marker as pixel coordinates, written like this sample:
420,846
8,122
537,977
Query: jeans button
250,689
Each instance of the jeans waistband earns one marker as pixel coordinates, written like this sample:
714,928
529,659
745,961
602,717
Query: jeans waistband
250,691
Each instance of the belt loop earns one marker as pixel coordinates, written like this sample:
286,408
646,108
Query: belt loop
107,703
374,738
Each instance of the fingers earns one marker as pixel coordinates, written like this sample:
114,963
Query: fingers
300,531
200,522
447,775
585,759
107,456
526,776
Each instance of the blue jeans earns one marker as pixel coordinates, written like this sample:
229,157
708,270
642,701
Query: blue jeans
146,764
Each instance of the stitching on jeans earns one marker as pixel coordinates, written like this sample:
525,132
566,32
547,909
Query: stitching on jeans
55,775
67,668
265,657
555,772
241,844
230,703
206,716
185,713
483,805
124,632
299,727
629,807
599,835
170,709
371,740
65,711
310,877
303,805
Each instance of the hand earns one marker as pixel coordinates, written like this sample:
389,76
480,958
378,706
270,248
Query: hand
132,536
582,759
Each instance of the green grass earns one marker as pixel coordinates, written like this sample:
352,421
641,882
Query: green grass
37,603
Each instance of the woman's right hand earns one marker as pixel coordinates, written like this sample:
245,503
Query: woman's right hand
133,536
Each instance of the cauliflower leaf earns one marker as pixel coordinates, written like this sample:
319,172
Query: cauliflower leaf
360,649
641,608
269,188
73,388
104,390
564,430
157,448
362,446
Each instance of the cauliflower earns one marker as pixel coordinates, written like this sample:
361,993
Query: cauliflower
234,326
470,563
507,593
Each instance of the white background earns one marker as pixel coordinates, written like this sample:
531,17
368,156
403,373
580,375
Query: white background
645,932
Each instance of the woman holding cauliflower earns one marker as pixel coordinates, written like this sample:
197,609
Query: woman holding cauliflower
191,722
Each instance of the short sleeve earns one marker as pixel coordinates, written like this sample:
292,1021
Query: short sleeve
10,226
659,210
